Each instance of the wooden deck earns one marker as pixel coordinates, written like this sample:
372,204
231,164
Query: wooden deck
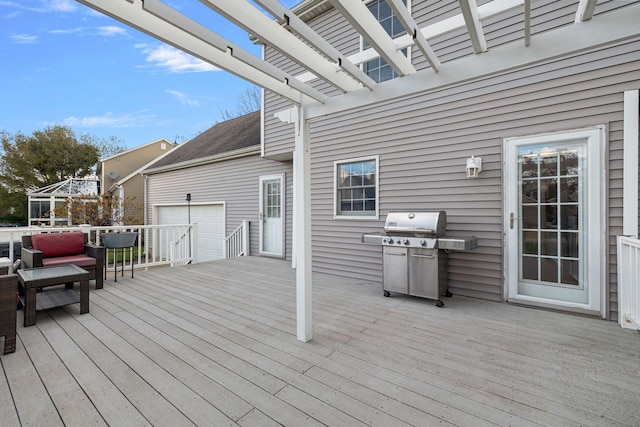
214,345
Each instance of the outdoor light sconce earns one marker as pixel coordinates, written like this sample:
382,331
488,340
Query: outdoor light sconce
474,166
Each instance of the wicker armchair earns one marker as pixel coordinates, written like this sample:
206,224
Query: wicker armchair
8,290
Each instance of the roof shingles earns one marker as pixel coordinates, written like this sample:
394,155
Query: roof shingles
231,135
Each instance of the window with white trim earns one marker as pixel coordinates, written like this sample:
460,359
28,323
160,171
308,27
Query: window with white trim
356,187
378,69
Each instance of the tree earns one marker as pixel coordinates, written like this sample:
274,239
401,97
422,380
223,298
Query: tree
106,146
46,157
100,211
248,101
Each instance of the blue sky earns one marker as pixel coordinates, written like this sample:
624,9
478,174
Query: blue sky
63,63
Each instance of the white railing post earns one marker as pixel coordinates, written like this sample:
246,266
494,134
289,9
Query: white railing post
628,282
246,242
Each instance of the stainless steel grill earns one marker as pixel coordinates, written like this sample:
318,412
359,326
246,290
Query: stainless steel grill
415,253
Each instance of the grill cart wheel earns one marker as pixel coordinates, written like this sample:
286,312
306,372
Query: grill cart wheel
448,294
387,294
439,303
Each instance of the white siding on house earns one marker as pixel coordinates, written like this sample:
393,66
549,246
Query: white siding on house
235,182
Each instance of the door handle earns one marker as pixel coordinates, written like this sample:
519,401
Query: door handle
424,256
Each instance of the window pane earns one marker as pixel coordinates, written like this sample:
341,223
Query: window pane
356,192
529,268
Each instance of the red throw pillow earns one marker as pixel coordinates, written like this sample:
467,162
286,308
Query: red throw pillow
58,244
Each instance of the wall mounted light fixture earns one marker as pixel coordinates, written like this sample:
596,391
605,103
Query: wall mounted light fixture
474,166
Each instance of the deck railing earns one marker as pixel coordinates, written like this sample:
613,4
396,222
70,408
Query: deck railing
237,244
628,282
156,245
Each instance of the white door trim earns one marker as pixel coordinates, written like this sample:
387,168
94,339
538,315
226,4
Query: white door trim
595,259
262,251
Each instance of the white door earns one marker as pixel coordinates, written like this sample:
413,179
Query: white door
272,215
210,227
554,226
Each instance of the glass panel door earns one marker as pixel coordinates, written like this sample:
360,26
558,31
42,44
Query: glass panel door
554,227
550,209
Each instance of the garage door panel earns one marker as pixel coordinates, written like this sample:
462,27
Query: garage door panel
210,226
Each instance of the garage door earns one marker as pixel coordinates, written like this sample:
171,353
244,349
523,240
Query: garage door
210,228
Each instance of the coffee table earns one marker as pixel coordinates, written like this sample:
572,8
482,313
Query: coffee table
32,279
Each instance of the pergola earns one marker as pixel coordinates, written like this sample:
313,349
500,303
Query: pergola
282,30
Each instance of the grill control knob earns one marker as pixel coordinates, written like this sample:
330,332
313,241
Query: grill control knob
423,242
391,241
406,241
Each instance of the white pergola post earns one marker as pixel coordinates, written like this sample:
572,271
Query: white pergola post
302,225
630,163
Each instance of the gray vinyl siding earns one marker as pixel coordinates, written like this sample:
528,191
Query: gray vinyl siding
424,140
235,182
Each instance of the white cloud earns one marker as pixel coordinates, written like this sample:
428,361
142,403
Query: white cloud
184,98
173,60
61,5
107,31
111,30
24,38
129,120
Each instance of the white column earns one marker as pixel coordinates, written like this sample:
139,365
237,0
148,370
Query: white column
630,163
302,224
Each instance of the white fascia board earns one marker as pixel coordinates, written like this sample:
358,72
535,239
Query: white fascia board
456,22
220,157
470,13
585,10
412,28
612,27
131,13
275,8
361,19
175,18
247,16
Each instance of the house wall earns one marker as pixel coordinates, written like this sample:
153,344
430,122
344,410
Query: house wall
131,160
134,199
424,140
234,181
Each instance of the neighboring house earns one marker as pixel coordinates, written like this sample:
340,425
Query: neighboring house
548,203
44,201
121,176
227,182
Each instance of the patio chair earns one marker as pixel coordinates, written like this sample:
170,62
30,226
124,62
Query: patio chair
8,291
56,249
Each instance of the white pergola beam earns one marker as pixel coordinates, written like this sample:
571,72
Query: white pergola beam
175,18
585,10
469,10
247,16
602,30
131,13
453,23
367,25
412,28
275,8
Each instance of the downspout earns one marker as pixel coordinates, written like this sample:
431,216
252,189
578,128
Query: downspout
630,163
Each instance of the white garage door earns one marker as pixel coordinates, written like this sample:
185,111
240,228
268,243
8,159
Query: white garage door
210,228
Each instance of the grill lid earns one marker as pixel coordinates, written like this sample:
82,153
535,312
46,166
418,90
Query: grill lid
431,224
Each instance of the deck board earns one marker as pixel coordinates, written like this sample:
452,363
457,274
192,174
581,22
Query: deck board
214,344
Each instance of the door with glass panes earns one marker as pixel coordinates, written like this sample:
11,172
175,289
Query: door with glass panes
554,226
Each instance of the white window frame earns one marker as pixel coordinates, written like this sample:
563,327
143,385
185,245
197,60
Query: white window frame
336,203
362,48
